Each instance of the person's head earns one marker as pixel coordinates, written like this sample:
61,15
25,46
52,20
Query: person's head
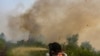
54,48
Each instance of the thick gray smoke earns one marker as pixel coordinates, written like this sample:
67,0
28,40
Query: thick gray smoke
58,19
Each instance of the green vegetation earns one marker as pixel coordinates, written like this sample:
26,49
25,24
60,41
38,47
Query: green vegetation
35,48
38,53
2,45
85,49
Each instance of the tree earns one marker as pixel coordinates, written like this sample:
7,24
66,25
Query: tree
98,53
2,45
72,40
2,41
21,42
72,47
86,46
86,49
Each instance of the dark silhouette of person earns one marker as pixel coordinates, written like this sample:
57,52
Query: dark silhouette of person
55,50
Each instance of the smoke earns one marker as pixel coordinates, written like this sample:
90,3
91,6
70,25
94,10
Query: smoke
21,26
58,19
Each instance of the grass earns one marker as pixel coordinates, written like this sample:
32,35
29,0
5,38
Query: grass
28,51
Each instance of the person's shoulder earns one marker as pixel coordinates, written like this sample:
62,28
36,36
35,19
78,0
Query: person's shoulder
64,54
47,54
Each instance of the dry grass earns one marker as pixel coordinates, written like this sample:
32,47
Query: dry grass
24,51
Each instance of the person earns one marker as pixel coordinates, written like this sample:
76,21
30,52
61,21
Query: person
55,50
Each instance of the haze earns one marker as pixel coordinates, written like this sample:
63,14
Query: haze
53,19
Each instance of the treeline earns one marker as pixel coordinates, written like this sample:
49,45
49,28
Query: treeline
71,48
7,46
85,49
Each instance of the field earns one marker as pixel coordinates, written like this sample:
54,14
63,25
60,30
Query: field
28,51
